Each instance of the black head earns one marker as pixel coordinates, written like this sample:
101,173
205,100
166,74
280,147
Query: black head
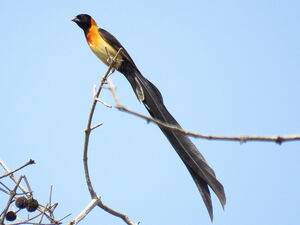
83,21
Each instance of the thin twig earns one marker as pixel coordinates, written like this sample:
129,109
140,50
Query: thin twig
50,198
31,161
96,126
65,217
43,213
124,217
10,200
30,219
28,186
14,179
7,188
103,102
241,139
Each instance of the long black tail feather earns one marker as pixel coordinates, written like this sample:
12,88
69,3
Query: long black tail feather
201,172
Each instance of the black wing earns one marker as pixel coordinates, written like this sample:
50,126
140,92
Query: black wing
151,97
110,39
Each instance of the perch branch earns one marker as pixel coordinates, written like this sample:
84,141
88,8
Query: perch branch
95,199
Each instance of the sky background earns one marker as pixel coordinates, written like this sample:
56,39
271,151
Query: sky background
223,67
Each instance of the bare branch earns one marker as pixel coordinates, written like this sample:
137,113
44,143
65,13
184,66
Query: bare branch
96,126
95,199
31,161
27,220
241,139
124,217
85,212
104,103
14,179
89,129
44,211
10,200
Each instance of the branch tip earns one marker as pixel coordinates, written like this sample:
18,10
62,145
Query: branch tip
96,126
103,103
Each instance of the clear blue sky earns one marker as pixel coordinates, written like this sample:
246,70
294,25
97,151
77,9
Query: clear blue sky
223,67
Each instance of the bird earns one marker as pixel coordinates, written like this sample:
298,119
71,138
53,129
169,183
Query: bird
105,46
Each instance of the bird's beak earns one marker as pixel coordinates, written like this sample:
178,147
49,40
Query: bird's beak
75,19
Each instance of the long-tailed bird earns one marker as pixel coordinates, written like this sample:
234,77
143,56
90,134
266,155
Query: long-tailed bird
105,46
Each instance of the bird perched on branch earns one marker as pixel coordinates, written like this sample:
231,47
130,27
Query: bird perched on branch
105,46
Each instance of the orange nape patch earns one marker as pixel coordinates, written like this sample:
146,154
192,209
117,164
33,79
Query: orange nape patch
98,45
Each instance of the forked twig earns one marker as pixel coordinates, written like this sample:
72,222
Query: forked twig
96,201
